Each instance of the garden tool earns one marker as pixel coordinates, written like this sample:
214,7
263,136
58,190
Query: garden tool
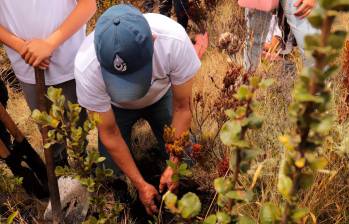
30,182
52,179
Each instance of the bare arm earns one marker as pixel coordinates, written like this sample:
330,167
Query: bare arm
38,50
111,138
181,122
181,107
10,124
78,17
11,40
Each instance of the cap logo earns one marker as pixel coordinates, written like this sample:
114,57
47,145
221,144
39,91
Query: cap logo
119,64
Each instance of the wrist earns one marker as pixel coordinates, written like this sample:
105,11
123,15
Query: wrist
52,42
139,184
19,45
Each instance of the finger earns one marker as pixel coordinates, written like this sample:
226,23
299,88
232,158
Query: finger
23,51
32,60
298,3
173,187
44,64
27,57
47,61
42,67
37,61
154,209
301,10
306,14
162,185
149,212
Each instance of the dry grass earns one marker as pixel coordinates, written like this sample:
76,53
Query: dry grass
328,199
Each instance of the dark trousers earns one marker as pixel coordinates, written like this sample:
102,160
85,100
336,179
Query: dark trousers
181,9
158,115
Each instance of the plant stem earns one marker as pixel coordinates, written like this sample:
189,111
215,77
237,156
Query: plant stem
309,110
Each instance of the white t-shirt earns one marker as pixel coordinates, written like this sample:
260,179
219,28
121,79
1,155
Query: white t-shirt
30,19
174,62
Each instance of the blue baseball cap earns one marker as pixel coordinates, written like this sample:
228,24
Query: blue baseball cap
124,48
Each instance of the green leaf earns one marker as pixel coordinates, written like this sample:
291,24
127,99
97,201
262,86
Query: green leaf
246,220
59,171
223,201
270,213
230,133
101,159
223,218
11,218
312,41
243,93
230,113
212,219
324,126
240,195
170,200
222,185
254,121
340,5
285,186
171,164
189,205
298,214
255,80
336,39
316,18
318,163
306,180
108,172
265,83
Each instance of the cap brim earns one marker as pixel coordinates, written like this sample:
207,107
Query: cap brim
128,87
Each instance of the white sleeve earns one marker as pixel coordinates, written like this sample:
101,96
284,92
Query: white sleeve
185,62
91,93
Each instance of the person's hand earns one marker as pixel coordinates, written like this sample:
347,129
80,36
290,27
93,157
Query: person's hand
36,52
304,8
148,194
201,44
166,181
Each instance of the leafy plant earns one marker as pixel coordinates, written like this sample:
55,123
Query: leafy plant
311,116
86,165
233,135
177,147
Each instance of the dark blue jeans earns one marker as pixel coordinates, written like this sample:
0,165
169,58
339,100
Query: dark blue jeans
158,115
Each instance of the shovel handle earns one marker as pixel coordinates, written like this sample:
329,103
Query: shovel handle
50,167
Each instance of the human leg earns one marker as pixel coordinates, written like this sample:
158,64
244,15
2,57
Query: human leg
159,115
125,119
299,27
257,30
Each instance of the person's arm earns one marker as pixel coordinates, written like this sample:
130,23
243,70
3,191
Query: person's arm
111,138
180,122
11,40
17,44
10,124
40,49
